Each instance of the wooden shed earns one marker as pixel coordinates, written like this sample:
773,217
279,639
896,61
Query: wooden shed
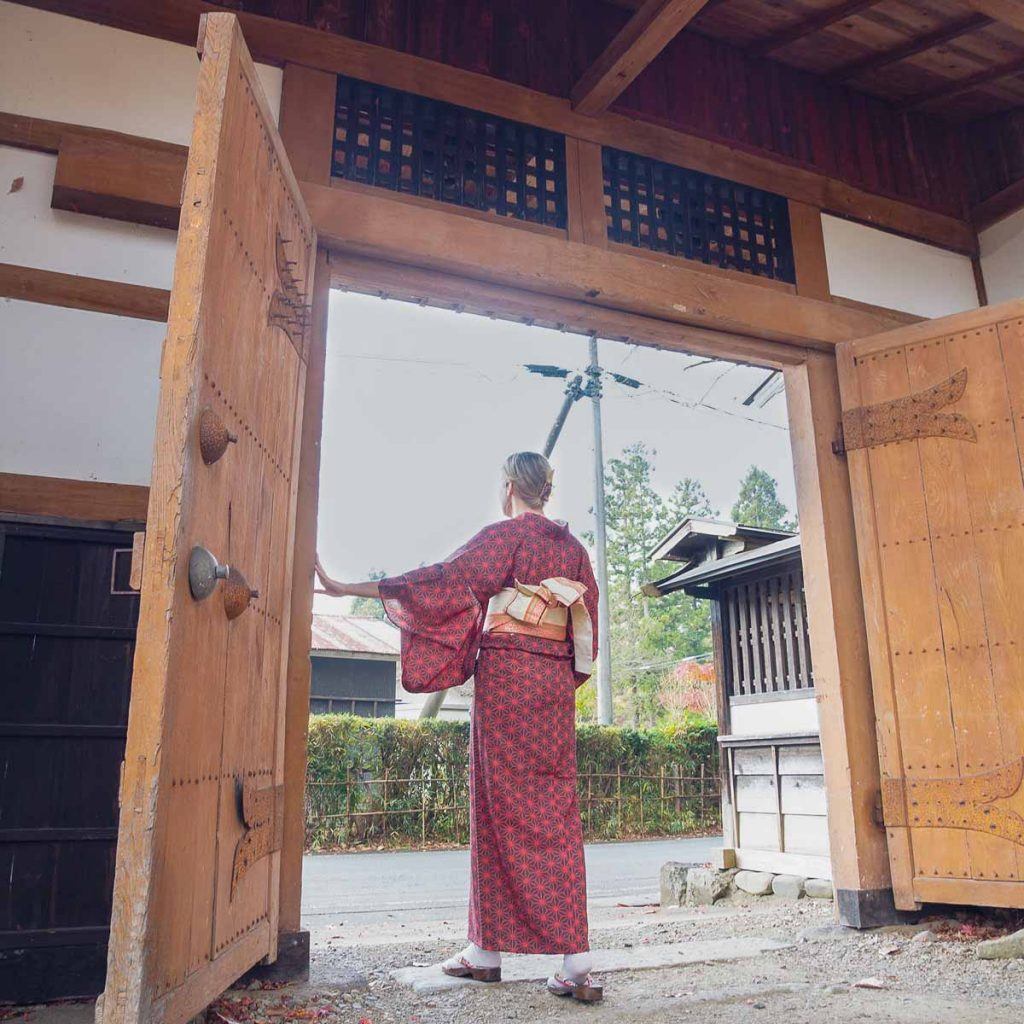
829,189
774,813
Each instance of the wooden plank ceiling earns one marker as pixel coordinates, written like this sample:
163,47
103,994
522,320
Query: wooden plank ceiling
962,59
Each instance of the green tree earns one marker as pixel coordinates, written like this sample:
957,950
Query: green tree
647,634
758,503
370,606
687,499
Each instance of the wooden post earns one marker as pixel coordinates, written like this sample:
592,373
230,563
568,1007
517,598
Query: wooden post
809,251
584,177
297,706
860,862
307,121
307,130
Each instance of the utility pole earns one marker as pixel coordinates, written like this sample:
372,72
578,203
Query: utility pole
573,393
604,666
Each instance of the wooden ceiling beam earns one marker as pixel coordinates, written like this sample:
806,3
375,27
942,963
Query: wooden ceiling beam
641,39
996,208
1008,12
809,26
912,47
959,86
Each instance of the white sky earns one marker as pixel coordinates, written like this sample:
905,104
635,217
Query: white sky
422,405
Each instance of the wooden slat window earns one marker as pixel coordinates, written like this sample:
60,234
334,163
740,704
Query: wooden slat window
766,635
665,208
421,147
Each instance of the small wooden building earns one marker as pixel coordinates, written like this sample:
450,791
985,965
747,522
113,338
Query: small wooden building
773,789
354,663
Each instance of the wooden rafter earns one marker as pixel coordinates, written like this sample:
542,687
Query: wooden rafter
999,206
1008,12
808,26
912,47
959,86
641,39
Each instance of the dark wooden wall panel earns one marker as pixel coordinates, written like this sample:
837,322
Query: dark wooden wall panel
995,148
698,84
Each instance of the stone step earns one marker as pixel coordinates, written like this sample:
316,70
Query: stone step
517,968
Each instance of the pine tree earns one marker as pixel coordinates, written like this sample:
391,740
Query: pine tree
758,503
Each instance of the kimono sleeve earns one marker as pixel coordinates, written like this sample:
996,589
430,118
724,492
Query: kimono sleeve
440,610
590,599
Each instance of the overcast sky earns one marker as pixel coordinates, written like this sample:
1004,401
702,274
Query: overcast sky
422,405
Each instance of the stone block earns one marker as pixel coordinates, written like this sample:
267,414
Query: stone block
705,886
673,883
819,889
1007,947
790,887
756,883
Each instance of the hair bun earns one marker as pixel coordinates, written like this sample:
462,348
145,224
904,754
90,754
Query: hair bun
530,474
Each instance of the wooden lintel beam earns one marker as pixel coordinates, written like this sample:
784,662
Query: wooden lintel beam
86,500
278,42
999,206
957,87
1009,12
44,136
391,280
809,26
640,40
911,48
131,180
30,284
438,240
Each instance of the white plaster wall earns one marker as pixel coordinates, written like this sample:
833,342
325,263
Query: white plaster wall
874,266
34,235
66,69
774,717
78,390
1002,258
78,393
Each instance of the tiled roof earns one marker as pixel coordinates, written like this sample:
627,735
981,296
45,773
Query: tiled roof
355,634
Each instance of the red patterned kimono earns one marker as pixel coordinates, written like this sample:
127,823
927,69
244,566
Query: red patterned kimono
528,892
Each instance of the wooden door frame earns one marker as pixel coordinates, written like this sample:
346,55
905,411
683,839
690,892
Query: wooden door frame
831,570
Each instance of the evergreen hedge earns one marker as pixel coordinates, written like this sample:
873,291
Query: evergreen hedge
386,781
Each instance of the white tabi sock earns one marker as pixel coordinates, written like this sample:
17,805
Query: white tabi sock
481,957
577,966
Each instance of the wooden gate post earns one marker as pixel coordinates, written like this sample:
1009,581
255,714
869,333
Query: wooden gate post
306,125
842,680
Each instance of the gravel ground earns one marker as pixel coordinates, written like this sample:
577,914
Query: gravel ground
932,980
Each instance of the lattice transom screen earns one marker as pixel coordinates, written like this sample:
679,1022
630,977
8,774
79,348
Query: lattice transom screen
421,147
669,209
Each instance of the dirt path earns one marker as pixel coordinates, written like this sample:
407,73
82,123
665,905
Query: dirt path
814,980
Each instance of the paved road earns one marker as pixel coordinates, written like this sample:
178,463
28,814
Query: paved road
419,886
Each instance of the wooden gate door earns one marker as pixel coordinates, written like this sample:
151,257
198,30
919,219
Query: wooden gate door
933,425
196,881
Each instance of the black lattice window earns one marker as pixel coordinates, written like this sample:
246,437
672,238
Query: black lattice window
418,146
659,206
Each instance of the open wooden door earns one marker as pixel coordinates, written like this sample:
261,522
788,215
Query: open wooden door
196,882
933,426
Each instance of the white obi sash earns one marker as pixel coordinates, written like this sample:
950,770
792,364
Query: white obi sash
543,611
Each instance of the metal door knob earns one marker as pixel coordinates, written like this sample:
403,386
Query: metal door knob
203,573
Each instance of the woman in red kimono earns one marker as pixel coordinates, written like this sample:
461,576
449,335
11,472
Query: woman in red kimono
516,608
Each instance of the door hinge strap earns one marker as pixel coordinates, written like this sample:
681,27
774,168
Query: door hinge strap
968,803
262,812
908,418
